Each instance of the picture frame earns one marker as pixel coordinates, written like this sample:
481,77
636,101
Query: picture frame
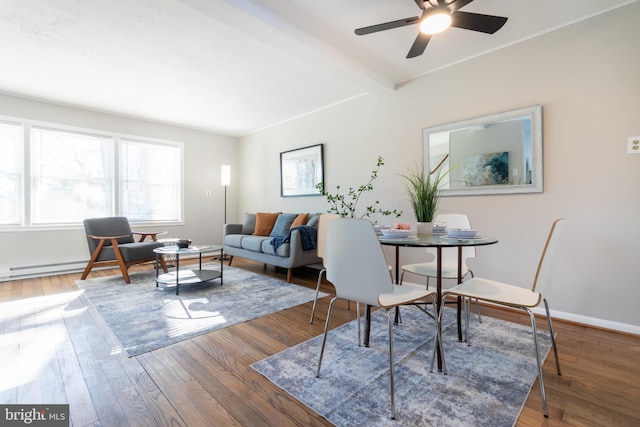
301,170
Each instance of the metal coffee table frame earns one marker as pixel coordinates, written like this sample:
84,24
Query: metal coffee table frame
188,276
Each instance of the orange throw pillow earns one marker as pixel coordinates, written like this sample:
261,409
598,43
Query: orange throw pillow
265,222
301,219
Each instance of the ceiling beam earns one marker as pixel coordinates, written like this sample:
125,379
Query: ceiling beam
266,27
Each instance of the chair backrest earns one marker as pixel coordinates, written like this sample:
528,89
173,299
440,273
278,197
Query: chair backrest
321,244
543,273
450,255
355,262
109,226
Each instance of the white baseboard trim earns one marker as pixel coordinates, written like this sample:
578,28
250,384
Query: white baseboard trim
591,321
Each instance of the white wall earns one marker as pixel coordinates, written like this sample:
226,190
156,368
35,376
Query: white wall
203,154
586,78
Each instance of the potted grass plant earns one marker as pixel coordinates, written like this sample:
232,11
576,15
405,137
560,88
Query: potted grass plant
424,194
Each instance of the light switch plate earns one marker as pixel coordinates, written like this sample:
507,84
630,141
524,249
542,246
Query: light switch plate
633,145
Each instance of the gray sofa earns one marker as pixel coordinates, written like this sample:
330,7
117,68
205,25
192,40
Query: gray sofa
239,240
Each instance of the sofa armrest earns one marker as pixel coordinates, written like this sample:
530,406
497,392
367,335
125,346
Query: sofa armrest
295,244
231,229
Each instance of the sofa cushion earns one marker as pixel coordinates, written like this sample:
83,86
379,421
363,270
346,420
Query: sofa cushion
301,219
265,222
282,224
249,224
234,240
283,250
254,243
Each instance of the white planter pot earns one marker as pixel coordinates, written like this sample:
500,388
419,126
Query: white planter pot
424,228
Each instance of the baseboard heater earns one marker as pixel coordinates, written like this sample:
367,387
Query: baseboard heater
41,270
28,271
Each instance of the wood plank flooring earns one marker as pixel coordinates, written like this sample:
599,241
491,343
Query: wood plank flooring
54,348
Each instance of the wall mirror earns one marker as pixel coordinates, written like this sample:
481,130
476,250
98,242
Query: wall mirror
495,154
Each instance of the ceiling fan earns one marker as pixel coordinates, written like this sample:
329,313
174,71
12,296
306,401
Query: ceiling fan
437,16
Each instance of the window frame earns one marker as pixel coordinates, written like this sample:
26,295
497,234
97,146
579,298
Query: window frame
22,168
26,203
121,141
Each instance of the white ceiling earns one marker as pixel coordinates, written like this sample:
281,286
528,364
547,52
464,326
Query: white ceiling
237,66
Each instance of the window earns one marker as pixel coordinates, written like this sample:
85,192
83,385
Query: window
71,176
149,181
52,175
11,173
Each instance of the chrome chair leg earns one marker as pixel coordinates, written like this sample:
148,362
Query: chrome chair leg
315,300
425,301
358,318
324,338
391,378
553,338
467,310
543,395
438,338
477,301
478,310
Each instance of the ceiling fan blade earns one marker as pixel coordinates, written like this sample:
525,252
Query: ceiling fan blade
477,22
387,26
419,45
458,4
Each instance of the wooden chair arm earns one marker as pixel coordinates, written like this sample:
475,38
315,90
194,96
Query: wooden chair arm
91,236
153,234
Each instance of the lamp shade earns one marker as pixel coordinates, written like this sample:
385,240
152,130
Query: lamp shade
225,175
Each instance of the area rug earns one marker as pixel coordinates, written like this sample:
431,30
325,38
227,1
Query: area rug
487,382
145,317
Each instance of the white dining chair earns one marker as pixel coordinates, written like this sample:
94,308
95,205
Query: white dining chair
356,266
449,256
321,245
517,297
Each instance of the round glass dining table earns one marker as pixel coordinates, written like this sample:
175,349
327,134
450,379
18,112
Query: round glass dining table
437,241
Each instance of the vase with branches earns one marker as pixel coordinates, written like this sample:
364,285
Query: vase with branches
346,205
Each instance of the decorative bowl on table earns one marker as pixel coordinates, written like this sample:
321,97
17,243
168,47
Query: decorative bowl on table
395,234
183,243
439,228
379,228
462,233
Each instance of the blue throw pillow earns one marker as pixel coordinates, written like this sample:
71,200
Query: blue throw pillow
313,220
283,224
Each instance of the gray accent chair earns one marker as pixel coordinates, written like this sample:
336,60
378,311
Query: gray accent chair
111,243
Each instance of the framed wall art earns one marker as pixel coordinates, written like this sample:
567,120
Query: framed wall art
301,170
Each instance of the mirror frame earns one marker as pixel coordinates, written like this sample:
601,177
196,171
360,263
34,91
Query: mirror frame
536,186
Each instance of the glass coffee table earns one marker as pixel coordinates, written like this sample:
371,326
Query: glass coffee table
183,277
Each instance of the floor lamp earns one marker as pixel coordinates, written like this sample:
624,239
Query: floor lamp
225,180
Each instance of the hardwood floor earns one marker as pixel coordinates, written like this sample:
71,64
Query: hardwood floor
55,349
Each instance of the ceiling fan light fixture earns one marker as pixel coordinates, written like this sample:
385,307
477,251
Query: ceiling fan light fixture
436,22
